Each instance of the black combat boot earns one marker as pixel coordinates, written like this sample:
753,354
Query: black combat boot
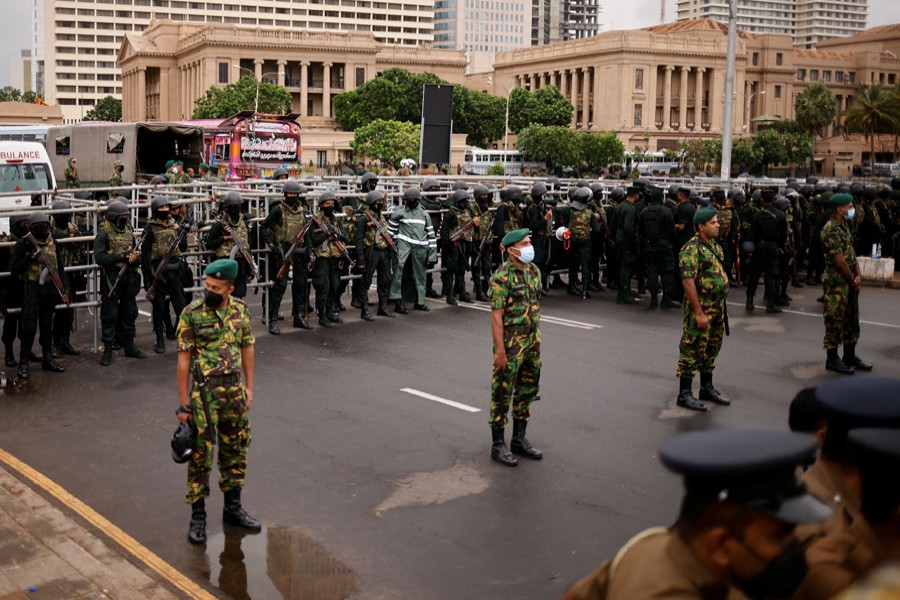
499,451
654,302
852,360
834,363
22,373
481,296
55,352
520,444
10,359
49,363
451,300
197,528
234,513
355,303
422,307
106,359
400,309
750,305
273,323
465,297
364,313
335,317
160,347
710,393
301,323
667,301
431,293
686,397
131,351
574,290
773,307
66,347
383,310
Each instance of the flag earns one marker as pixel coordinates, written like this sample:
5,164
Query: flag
38,100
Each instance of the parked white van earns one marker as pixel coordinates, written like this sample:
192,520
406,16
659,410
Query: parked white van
887,169
24,167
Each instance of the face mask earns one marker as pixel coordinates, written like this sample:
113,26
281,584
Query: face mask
377,207
411,204
526,254
781,577
20,230
328,210
122,223
163,215
212,299
62,222
291,201
40,231
850,214
233,211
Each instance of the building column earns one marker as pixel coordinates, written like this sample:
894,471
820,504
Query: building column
573,96
564,83
544,79
257,68
326,90
595,117
282,64
182,91
163,114
682,100
667,98
585,97
142,93
698,100
304,87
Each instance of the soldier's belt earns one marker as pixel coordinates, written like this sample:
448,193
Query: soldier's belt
520,329
220,380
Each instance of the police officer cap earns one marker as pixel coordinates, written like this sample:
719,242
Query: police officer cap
60,205
863,402
374,196
537,190
517,235
223,268
292,186
280,173
481,190
459,184
183,443
38,217
327,197
704,215
840,199
368,176
617,195
877,452
159,201
412,194
169,164
755,468
16,219
877,444
514,193
116,208
782,204
431,185
232,199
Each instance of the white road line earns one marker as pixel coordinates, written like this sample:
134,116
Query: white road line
808,314
146,314
434,398
544,318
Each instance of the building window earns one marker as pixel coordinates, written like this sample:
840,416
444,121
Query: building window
755,59
826,76
778,91
813,74
839,77
892,78
778,58
360,76
223,73
801,74
638,79
638,115
851,78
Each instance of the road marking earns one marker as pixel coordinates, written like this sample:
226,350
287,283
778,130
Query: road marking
544,318
434,398
808,314
146,314
140,552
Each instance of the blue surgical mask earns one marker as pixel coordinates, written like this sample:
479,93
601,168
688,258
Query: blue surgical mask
526,254
850,214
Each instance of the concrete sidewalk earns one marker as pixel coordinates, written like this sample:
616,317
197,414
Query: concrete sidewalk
45,553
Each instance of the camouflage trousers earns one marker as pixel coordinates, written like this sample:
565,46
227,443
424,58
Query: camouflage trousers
226,409
700,347
841,312
518,382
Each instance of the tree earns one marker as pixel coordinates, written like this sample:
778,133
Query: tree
702,151
601,149
815,107
545,106
219,103
11,94
378,99
873,111
106,109
553,144
768,148
481,116
389,141
745,154
518,98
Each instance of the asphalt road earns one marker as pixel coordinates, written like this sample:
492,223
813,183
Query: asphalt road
368,491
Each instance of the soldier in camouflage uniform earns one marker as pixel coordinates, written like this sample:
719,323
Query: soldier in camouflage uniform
374,254
507,218
116,180
515,294
481,266
453,257
539,219
214,336
180,175
727,230
71,174
325,236
162,234
706,288
114,246
842,284
582,223
70,255
220,241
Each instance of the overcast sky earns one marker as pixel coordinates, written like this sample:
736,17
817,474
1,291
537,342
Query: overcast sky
16,25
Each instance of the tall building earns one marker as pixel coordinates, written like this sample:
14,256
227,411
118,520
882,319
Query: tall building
75,41
481,28
20,71
561,20
806,21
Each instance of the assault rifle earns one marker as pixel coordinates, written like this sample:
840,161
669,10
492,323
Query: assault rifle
381,230
164,261
286,262
137,248
332,237
484,241
49,267
457,235
240,247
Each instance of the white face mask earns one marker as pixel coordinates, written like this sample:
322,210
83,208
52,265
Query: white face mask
526,254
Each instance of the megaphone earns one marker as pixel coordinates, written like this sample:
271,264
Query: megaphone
563,234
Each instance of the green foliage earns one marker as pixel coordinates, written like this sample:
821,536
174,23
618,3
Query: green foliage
815,107
745,154
496,169
106,109
554,144
702,151
602,148
387,141
219,103
11,94
874,110
518,98
481,116
545,106
378,99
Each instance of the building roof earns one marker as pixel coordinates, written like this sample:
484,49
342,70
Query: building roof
695,25
882,32
823,54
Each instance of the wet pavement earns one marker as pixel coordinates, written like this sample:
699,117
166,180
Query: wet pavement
369,464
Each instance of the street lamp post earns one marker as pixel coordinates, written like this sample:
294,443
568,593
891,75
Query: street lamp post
253,74
505,124
747,111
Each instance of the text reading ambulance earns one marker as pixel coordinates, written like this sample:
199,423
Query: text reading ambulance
25,172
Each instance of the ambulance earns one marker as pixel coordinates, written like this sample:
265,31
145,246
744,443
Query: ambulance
25,172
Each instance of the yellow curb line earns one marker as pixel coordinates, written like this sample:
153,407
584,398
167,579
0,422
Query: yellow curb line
140,552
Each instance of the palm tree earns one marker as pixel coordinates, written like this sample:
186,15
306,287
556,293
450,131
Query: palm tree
873,111
815,108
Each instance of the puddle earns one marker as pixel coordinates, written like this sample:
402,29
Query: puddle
278,563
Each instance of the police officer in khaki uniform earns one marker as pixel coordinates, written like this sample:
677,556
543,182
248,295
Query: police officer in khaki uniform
734,536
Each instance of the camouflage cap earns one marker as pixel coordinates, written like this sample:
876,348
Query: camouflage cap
517,235
224,268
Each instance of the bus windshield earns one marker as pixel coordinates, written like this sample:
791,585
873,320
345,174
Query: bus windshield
24,177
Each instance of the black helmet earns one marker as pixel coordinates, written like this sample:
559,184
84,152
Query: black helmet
756,195
292,186
280,173
807,190
60,205
327,197
38,217
83,196
553,182
869,191
537,190
183,443
812,180
368,181
460,197
374,197
116,208
736,194
582,195
821,188
717,194
673,190
481,190
159,201
431,185
16,219
791,181
412,194
158,180
232,199
617,194
856,189
596,190
459,184
782,204
513,193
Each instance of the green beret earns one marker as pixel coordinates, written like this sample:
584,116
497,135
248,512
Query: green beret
704,214
204,166
840,199
170,164
179,163
223,268
514,236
